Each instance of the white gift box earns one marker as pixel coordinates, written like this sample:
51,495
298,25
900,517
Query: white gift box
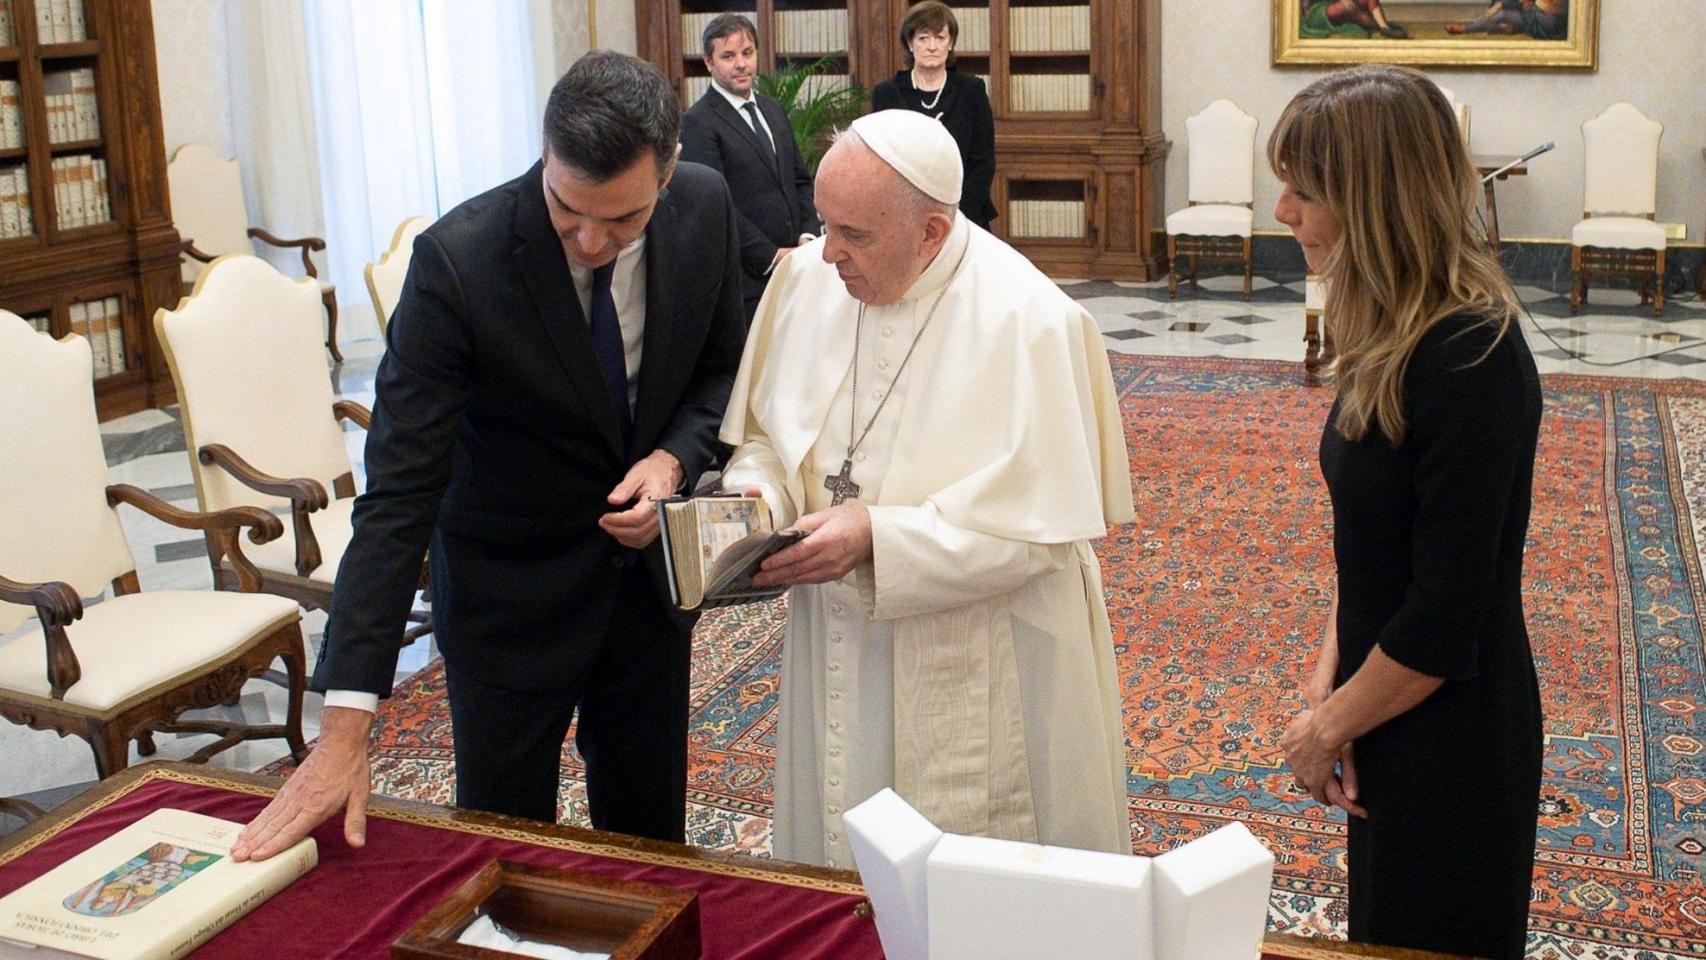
1211,897
891,844
1003,900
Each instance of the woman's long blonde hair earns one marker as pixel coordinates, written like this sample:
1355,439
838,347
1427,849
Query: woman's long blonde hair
1380,146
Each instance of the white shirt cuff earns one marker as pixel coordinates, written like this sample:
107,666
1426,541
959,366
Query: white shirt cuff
806,238
354,699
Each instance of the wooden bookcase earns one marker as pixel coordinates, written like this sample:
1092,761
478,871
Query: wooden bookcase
1076,90
110,252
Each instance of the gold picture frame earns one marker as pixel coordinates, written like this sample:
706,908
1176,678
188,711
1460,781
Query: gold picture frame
1511,34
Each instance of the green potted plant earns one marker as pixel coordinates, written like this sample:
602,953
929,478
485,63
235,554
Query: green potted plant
815,109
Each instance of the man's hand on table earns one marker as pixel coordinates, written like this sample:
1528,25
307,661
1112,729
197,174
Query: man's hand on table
334,777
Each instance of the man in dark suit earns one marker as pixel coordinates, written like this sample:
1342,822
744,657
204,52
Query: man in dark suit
749,139
560,358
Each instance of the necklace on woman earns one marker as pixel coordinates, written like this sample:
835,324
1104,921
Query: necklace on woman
841,486
929,104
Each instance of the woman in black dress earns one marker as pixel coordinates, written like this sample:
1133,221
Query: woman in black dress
931,86
1423,717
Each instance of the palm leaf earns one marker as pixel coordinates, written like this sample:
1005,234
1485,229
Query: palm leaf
815,111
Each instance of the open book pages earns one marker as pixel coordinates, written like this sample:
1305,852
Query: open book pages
154,890
713,546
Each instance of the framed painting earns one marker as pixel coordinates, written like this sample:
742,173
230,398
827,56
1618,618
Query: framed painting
1545,34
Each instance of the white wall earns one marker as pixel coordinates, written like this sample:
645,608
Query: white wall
195,89
1650,54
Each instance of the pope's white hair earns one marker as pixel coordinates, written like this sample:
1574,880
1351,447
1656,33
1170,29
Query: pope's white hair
922,203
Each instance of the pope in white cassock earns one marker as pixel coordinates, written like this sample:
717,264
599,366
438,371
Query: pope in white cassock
941,420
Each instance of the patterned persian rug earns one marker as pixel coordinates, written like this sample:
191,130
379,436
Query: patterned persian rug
1218,596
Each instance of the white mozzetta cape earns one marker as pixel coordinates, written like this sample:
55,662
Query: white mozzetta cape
1006,706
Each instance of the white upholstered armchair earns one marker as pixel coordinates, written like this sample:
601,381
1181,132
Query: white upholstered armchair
208,210
1215,227
122,669
1617,235
385,277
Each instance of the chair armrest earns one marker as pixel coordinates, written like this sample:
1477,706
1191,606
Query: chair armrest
306,495
57,604
195,253
350,410
223,525
306,243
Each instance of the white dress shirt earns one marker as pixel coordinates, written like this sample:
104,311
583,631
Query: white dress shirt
739,103
628,290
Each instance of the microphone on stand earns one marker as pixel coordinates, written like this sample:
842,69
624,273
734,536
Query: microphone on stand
1519,161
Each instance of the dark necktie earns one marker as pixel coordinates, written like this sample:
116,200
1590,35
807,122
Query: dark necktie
607,345
764,145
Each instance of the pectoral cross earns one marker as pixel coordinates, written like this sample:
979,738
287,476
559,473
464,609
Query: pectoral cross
841,486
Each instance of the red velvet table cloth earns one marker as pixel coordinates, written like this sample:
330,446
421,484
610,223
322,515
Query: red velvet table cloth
355,903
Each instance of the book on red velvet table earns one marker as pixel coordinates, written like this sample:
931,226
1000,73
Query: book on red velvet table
154,890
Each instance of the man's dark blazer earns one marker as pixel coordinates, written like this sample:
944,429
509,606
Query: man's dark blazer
492,424
775,205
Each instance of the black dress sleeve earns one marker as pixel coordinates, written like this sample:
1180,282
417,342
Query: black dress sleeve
1467,441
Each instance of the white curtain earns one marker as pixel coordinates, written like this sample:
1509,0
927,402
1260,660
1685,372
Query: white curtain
419,105
272,124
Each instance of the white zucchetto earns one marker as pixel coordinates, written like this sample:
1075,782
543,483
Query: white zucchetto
918,148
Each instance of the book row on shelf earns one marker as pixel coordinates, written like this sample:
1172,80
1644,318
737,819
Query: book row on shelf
11,115
60,21
102,323
1044,29
1045,218
16,220
796,31
974,29
72,111
1040,92
43,322
80,191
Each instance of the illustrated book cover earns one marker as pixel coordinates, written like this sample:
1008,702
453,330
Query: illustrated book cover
154,890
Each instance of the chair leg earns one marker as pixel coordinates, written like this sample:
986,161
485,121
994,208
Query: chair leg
1249,267
1578,280
145,743
1195,262
1311,349
330,299
1172,267
1659,284
295,664
112,750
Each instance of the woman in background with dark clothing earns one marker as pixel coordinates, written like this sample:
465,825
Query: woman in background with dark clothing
931,86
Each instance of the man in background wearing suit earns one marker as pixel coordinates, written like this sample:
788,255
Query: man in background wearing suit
560,358
748,138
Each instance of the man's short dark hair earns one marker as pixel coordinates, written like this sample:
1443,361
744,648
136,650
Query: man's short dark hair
606,111
725,25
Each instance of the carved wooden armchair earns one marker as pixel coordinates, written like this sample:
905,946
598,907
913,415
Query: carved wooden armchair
1216,226
385,277
208,210
261,424
127,667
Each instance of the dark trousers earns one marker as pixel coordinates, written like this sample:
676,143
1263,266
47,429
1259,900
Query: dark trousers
632,733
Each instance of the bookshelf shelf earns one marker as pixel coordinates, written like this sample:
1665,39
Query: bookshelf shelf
69,51
85,225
